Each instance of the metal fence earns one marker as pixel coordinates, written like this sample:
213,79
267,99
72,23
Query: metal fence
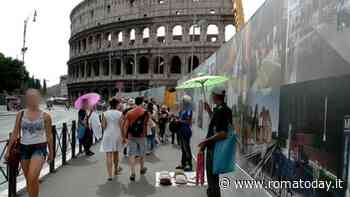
66,148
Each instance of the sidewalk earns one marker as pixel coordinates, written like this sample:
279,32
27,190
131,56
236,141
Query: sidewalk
86,177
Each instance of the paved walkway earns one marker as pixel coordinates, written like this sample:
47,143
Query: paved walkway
86,177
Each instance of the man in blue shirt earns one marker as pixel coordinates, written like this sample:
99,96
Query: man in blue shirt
220,119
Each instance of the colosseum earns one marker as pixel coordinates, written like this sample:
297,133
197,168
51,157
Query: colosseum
132,45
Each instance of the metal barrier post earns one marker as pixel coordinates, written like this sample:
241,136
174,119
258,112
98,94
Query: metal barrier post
12,179
52,163
74,127
64,143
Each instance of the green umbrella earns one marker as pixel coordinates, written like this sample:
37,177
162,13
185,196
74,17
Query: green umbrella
202,82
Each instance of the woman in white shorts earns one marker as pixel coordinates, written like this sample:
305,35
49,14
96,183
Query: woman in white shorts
112,140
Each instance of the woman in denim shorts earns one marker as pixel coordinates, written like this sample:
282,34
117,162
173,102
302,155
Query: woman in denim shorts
35,129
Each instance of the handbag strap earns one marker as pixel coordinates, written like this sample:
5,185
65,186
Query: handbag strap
20,124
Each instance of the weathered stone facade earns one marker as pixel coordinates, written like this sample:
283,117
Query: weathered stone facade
137,44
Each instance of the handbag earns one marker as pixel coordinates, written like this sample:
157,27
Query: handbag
200,169
15,152
225,153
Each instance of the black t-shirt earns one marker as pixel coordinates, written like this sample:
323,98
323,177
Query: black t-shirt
220,121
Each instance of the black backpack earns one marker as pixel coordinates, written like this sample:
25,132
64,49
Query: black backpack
136,128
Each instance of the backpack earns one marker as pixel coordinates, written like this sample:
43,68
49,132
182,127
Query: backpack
136,128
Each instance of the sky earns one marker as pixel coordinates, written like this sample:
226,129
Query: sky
47,38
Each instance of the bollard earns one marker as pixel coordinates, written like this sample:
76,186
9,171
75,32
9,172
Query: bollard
52,163
74,127
64,144
12,179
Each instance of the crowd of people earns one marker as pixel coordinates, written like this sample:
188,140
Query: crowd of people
132,127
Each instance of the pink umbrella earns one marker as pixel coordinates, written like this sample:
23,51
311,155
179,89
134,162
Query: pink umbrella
91,98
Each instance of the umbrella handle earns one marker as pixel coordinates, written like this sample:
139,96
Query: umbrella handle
204,94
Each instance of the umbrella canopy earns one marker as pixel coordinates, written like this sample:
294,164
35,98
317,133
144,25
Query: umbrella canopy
203,81
91,98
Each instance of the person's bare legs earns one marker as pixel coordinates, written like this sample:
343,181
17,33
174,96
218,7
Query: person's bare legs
33,173
25,167
117,169
132,162
109,163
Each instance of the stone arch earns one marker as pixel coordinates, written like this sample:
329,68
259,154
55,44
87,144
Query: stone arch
129,66
159,65
195,33
120,38
230,31
177,33
145,35
161,33
176,65
96,68
132,36
88,69
108,39
143,65
212,33
105,67
116,66
82,70
195,64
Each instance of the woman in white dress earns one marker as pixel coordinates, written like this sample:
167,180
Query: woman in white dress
112,140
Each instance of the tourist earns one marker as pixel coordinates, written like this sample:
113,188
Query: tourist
34,128
163,120
95,124
221,118
130,104
112,140
185,133
151,129
84,131
134,132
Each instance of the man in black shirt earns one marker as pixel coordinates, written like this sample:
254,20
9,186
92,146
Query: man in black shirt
221,118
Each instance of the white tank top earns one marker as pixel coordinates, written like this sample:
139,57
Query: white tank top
33,132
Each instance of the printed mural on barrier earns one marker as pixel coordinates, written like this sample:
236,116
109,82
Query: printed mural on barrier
290,66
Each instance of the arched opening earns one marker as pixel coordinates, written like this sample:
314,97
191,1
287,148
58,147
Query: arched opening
230,31
159,65
90,41
212,33
120,38
116,66
82,70
132,36
177,33
195,33
161,34
98,41
88,69
129,66
108,39
145,35
96,66
143,65
105,67
195,64
84,44
175,65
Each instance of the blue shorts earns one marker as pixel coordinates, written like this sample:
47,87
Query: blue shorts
33,150
137,146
